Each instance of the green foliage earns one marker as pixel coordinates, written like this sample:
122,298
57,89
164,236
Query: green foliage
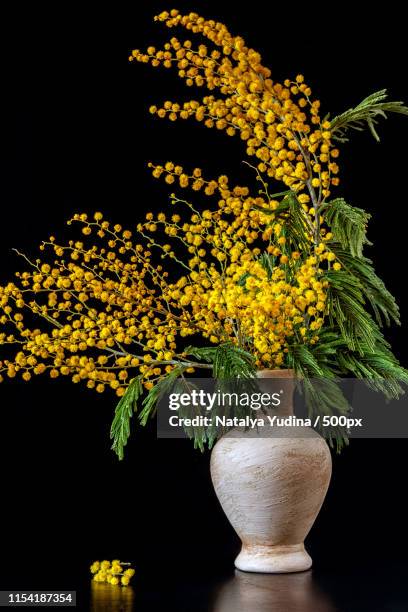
365,114
382,303
348,225
234,370
267,261
351,343
173,382
315,366
295,227
332,357
317,363
242,281
164,385
320,366
228,360
346,311
120,430
379,368
362,350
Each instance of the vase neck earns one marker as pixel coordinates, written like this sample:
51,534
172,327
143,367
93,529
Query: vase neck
284,384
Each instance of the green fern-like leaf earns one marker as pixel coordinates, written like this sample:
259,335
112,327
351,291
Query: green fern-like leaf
267,261
294,221
120,429
296,229
318,384
382,302
228,360
346,311
205,353
233,362
348,225
378,368
365,114
161,387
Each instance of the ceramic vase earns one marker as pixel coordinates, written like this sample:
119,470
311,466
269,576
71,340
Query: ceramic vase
272,488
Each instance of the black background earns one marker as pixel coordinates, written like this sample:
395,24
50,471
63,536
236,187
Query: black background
76,136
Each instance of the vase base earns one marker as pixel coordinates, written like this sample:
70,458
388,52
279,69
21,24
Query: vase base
273,559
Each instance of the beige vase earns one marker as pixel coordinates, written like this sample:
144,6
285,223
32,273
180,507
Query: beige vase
272,488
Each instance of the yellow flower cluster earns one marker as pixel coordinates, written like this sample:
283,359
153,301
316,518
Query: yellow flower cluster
237,199
108,311
250,270
280,123
112,572
232,294
103,311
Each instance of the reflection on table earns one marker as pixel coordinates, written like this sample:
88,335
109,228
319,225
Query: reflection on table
271,593
108,598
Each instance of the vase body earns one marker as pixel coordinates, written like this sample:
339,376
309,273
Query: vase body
272,488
